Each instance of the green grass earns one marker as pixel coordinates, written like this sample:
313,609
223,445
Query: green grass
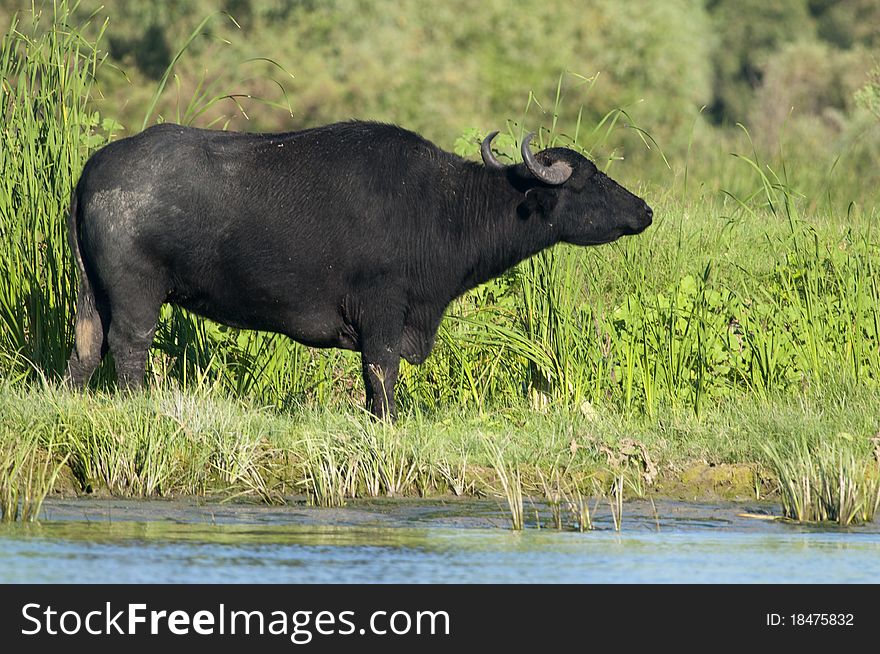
510,483
833,480
742,319
28,470
171,442
47,132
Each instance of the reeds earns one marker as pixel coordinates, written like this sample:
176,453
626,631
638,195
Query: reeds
509,477
169,443
47,69
330,472
386,462
826,481
27,475
568,504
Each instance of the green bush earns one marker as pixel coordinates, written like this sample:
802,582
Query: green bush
808,80
750,31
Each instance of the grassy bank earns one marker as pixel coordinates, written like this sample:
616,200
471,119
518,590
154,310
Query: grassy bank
168,442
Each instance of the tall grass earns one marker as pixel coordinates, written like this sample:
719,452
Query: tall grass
27,475
509,478
330,472
829,480
47,69
171,442
748,297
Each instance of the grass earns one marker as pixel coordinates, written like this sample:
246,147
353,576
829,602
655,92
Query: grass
330,473
835,480
509,478
48,131
579,508
170,442
561,495
27,475
740,321
387,462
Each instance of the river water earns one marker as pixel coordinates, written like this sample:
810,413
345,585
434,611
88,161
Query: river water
404,541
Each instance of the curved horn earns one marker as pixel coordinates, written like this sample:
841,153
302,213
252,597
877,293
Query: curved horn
486,152
555,174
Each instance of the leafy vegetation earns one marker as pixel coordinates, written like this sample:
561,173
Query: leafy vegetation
786,69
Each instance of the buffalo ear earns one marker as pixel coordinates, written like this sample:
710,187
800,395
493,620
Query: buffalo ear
540,201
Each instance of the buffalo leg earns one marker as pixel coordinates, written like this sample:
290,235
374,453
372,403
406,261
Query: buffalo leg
380,362
379,381
131,334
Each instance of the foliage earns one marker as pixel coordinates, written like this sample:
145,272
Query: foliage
420,64
750,31
438,67
869,95
848,23
807,81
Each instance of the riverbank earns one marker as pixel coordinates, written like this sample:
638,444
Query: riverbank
172,443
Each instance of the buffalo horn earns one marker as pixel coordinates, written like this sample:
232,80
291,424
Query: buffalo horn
555,174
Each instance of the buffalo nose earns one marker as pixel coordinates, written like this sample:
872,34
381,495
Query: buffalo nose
649,212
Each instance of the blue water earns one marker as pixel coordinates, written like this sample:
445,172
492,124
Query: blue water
706,545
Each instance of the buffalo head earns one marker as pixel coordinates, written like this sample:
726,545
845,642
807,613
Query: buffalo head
569,192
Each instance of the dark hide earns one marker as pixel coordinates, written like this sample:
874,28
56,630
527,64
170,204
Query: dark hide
355,235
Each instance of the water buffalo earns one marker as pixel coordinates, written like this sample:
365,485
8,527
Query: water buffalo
355,235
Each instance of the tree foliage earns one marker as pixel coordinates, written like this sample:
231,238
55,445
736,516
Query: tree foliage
439,68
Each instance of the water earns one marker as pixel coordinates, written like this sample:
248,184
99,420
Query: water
428,542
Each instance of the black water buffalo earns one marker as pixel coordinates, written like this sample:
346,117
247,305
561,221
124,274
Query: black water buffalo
355,235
